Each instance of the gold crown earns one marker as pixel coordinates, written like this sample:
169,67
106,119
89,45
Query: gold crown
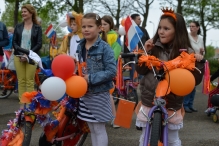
168,12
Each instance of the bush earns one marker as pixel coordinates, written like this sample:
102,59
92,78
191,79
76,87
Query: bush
213,65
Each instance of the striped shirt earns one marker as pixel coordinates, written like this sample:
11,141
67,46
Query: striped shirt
95,107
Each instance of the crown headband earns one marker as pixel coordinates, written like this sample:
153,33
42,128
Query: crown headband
168,12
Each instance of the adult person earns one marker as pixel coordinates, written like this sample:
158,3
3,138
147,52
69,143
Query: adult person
27,36
4,40
198,45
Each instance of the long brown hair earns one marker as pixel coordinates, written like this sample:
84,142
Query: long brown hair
181,39
97,19
32,10
108,19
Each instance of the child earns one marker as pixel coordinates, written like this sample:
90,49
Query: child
112,37
94,106
170,36
8,49
113,40
70,43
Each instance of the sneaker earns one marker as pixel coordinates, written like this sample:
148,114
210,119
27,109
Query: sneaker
138,128
116,126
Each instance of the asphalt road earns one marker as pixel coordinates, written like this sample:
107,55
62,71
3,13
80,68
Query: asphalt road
198,130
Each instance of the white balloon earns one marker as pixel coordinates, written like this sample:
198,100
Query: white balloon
121,30
63,23
53,88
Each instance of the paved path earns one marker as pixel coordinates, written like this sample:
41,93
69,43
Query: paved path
198,130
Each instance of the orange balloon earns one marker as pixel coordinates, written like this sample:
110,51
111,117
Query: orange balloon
123,22
182,81
76,86
112,89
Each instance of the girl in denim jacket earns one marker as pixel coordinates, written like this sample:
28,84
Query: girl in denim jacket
95,107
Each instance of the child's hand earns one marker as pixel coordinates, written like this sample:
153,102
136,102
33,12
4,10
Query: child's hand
74,59
149,45
86,78
198,57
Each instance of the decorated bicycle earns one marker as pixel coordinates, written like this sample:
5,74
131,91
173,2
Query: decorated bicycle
55,95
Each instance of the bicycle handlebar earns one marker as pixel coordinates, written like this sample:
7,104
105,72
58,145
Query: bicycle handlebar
128,55
185,60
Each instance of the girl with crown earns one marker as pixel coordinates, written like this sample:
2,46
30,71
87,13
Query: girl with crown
170,37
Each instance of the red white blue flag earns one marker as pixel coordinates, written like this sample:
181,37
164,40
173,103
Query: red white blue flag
50,31
133,34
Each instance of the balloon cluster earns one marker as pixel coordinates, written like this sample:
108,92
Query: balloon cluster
121,30
64,80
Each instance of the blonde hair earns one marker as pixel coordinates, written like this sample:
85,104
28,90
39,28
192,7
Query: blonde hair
11,29
32,10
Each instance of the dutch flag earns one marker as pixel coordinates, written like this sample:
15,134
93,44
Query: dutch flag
50,31
133,34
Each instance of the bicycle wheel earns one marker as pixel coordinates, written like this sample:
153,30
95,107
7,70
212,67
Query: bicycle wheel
43,141
116,96
82,139
79,137
27,128
4,93
156,129
132,95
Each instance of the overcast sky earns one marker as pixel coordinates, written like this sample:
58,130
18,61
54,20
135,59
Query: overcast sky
154,14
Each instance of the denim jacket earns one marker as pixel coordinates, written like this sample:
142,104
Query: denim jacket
101,65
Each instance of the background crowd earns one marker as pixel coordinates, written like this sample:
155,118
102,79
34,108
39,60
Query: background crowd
90,35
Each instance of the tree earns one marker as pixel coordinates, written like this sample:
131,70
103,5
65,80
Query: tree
7,16
115,8
142,7
204,11
210,53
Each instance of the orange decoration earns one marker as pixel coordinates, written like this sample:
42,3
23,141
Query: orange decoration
112,89
27,96
182,81
76,86
123,22
17,140
162,88
124,113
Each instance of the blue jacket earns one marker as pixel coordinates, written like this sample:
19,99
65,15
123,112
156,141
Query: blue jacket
9,46
101,65
4,40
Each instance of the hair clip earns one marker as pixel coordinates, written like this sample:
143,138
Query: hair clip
97,17
168,12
